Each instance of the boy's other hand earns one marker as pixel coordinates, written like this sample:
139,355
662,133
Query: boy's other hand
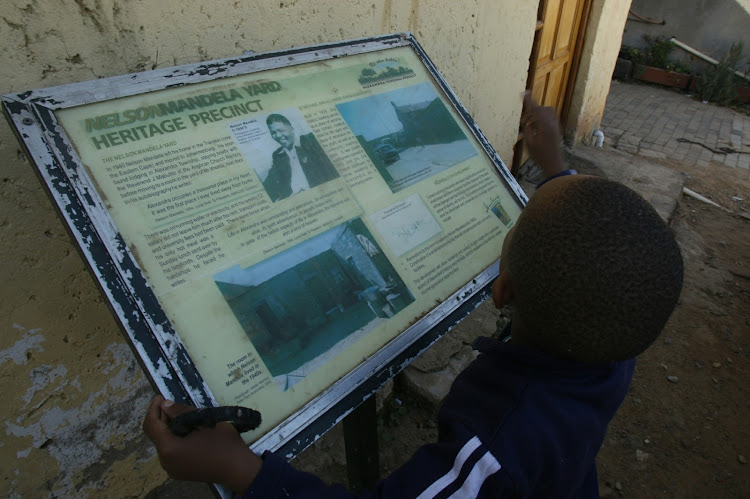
541,133
216,455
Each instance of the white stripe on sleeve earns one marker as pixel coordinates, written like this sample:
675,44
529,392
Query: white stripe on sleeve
482,469
442,482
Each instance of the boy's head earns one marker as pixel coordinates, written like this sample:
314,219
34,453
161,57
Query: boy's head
592,270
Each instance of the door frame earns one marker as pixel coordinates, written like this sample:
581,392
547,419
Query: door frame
518,149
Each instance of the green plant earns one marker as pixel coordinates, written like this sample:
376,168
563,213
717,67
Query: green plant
719,84
657,52
630,53
678,67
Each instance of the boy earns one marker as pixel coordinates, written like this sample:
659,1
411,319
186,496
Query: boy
593,273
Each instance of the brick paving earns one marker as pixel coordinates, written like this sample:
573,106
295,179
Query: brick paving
648,121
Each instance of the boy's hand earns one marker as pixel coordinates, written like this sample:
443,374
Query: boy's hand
541,133
216,455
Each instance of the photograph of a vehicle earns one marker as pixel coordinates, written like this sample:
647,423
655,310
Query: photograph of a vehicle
409,134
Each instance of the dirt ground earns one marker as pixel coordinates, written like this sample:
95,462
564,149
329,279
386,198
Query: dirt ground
682,430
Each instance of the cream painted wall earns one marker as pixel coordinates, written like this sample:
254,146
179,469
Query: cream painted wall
601,46
73,394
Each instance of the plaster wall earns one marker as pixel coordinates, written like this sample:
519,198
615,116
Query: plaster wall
709,26
602,42
73,393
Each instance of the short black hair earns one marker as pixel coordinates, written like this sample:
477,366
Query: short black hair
596,273
277,118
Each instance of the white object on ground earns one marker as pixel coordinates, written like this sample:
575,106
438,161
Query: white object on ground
697,196
599,135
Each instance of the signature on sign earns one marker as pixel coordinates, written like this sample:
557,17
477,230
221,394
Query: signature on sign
409,231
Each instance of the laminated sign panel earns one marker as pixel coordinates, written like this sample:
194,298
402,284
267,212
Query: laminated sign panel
281,231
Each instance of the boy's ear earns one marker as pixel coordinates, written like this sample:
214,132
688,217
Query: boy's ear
502,290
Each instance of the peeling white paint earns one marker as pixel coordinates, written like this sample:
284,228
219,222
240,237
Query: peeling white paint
162,369
76,383
28,342
41,378
77,437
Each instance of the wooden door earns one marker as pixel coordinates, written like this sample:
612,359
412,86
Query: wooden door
555,56
556,51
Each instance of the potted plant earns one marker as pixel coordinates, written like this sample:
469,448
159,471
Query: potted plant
720,84
652,64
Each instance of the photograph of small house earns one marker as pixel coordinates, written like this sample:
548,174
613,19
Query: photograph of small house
304,306
408,134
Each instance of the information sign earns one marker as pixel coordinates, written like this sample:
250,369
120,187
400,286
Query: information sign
279,230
